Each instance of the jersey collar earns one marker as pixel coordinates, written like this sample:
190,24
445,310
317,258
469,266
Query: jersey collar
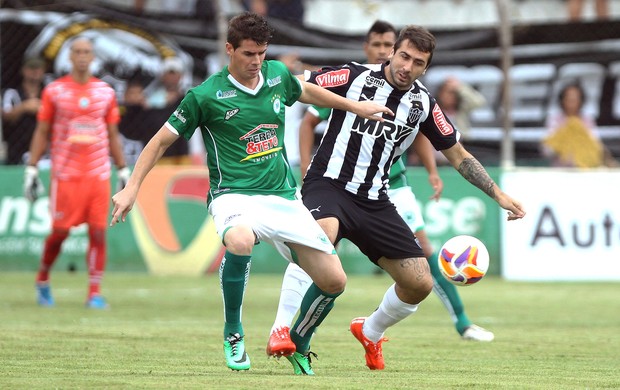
261,81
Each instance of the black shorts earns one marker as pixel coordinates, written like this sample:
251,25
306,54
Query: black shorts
374,226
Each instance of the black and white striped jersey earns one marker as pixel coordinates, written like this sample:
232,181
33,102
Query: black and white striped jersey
357,153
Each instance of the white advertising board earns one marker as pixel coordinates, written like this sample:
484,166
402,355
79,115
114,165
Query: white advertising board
572,228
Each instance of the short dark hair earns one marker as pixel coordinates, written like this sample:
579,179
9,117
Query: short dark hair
380,27
420,37
576,85
248,25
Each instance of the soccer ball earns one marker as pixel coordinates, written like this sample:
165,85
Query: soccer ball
463,260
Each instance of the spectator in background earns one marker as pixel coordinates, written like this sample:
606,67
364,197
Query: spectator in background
572,137
289,10
161,99
19,109
134,120
458,100
78,117
575,9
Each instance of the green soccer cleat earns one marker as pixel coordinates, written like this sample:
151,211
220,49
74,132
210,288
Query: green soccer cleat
301,363
234,352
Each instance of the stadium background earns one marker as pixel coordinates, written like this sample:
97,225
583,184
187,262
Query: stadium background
168,232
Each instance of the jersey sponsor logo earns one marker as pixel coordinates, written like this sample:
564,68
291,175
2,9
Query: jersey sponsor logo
372,81
386,129
274,81
230,218
179,115
261,144
414,96
226,94
440,121
334,78
231,113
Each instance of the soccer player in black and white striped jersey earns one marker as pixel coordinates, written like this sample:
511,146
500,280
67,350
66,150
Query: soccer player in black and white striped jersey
346,185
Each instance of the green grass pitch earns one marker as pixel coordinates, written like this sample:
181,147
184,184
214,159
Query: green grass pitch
166,332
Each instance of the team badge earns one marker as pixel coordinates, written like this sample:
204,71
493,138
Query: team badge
83,102
415,113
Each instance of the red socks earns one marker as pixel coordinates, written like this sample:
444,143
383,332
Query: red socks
96,260
50,253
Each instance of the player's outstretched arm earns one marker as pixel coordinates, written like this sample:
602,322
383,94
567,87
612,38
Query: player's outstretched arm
123,201
313,94
471,169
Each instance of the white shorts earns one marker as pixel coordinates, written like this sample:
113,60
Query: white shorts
273,219
407,206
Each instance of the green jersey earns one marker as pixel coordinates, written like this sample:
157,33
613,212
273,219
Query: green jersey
243,130
397,171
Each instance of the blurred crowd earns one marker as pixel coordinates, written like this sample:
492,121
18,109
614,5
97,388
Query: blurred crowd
146,104
143,108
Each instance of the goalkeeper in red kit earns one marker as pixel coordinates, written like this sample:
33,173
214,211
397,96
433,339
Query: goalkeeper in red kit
78,118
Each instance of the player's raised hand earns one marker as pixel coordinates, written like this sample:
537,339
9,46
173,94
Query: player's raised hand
371,110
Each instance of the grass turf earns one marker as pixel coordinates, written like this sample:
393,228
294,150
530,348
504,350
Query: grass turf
166,332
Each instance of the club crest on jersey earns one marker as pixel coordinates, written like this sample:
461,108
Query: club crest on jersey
440,121
334,78
372,81
415,113
226,94
83,102
231,113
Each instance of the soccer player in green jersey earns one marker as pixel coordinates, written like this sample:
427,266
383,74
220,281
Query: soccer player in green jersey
252,196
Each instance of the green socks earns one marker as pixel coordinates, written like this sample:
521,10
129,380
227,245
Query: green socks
234,273
449,296
314,308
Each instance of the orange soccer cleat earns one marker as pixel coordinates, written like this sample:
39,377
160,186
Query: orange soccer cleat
280,343
374,351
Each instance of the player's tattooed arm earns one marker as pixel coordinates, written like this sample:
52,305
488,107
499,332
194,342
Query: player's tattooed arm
474,172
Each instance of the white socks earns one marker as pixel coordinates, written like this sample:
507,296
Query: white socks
390,311
294,286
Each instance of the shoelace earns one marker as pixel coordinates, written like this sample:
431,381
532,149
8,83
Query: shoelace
309,356
233,339
376,347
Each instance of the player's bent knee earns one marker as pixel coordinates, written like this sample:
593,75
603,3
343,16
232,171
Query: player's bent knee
331,282
239,240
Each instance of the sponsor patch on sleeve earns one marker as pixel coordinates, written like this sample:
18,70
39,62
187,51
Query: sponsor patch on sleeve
440,121
334,78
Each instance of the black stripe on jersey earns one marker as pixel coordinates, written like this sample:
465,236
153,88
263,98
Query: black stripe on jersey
326,147
393,101
355,142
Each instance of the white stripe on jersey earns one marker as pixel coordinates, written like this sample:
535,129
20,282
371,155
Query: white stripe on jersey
382,141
